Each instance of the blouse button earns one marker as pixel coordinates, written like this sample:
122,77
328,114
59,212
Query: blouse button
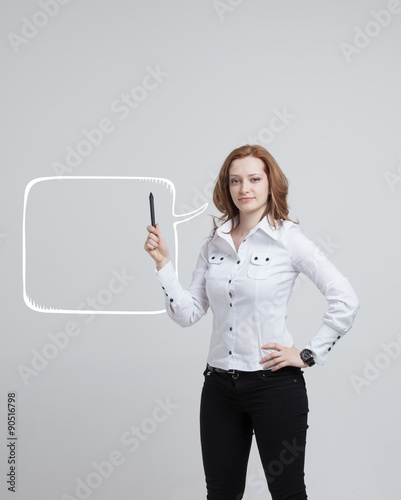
163,287
267,258
221,258
329,348
231,328
238,261
213,257
171,300
231,304
229,281
339,337
256,258
166,294
229,352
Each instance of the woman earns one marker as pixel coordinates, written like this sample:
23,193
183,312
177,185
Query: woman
253,382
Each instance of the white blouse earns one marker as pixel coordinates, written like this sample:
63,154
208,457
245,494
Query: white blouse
248,293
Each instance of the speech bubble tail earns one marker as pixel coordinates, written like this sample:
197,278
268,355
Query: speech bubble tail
190,215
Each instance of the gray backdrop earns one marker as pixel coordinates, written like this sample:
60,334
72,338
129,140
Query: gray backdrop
107,403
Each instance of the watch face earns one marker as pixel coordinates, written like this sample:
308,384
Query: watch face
307,356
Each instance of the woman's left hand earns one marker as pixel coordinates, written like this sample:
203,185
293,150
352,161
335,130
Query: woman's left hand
284,356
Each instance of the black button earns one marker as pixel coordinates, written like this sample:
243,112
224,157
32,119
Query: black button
256,258
221,258
213,257
166,294
329,349
267,258
245,239
171,300
339,337
238,261
229,352
231,305
230,281
163,287
231,328
333,343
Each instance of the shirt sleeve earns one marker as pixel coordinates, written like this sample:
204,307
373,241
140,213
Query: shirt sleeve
343,304
185,307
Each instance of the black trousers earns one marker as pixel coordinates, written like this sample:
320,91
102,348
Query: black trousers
271,405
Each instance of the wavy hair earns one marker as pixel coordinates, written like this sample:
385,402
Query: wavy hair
276,208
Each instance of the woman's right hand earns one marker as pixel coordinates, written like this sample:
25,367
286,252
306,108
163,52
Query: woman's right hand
157,247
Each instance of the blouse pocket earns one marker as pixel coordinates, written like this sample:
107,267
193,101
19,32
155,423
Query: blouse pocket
261,265
215,261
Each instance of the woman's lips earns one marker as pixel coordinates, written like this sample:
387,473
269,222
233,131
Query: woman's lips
245,199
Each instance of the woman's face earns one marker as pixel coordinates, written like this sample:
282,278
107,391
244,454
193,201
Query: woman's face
248,184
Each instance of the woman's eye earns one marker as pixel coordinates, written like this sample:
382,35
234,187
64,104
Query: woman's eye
234,181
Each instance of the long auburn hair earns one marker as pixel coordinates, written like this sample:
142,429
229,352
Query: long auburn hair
276,208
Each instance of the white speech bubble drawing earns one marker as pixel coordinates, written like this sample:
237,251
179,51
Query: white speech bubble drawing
79,242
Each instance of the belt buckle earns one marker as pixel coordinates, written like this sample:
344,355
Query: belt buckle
233,372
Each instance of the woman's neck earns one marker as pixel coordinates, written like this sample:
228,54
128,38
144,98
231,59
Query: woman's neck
246,223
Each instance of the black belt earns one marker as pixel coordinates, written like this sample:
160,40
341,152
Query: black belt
257,374
220,370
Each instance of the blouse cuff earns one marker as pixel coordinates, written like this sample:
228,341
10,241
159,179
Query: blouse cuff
166,274
172,288
323,342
